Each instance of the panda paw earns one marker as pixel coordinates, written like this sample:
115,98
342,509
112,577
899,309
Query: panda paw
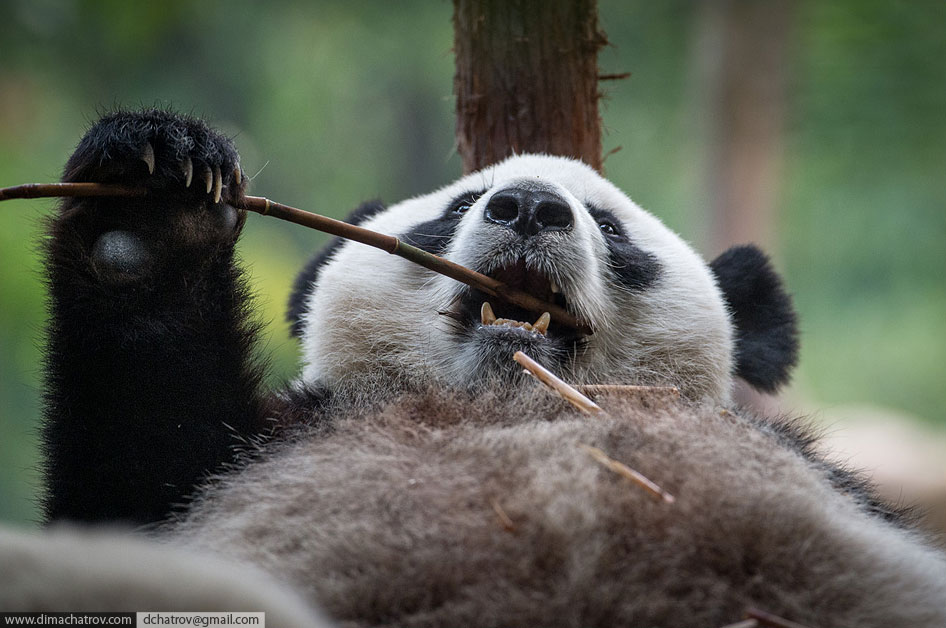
162,151
193,180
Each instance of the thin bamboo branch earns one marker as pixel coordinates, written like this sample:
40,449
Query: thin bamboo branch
626,472
769,620
745,623
504,519
626,391
564,389
386,243
394,246
48,190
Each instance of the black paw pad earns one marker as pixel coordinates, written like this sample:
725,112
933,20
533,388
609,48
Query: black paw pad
121,253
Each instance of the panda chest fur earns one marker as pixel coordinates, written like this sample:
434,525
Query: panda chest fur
552,228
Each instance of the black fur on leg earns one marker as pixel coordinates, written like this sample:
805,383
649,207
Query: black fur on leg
150,377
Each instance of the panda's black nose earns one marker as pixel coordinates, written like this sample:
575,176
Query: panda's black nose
529,212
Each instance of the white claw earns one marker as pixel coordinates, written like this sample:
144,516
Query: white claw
147,156
218,184
554,287
208,178
542,325
188,171
486,314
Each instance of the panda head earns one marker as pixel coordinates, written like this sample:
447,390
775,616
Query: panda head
554,228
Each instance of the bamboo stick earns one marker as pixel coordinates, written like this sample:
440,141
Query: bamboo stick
387,243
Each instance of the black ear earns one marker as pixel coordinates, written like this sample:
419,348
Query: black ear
766,326
310,273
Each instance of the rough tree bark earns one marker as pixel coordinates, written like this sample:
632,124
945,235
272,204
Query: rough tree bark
744,58
527,79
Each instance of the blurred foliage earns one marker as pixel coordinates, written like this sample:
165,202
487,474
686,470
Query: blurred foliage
333,103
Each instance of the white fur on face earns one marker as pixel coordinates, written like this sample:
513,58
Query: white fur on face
372,313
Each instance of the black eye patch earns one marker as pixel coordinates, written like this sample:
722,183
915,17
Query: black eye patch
435,235
635,268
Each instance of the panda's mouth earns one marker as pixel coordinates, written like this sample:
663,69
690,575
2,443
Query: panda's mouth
482,312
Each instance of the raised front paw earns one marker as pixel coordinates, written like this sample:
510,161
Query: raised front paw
160,150
187,216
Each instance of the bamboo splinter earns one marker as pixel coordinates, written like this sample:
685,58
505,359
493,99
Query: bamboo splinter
628,473
338,228
565,390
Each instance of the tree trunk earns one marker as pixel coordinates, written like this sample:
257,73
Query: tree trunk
527,79
744,59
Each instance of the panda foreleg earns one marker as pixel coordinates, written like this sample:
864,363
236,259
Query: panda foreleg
150,377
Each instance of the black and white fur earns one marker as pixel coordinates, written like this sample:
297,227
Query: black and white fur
658,313
413,476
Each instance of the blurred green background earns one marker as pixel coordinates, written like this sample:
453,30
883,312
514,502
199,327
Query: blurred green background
333,103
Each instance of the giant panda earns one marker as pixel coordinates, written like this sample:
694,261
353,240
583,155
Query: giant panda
413,475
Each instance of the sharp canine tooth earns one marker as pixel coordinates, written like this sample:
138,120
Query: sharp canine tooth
542,325
486,314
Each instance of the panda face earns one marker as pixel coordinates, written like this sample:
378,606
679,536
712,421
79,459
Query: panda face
557,230
551,227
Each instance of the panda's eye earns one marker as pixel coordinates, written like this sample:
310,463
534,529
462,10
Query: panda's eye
607,228
463,204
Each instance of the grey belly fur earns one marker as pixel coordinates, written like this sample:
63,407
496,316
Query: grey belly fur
442,510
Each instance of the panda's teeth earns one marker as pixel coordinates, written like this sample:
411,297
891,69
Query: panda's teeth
508,322
486,314
487,317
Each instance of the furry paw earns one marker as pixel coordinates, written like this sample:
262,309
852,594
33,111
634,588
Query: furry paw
193,180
